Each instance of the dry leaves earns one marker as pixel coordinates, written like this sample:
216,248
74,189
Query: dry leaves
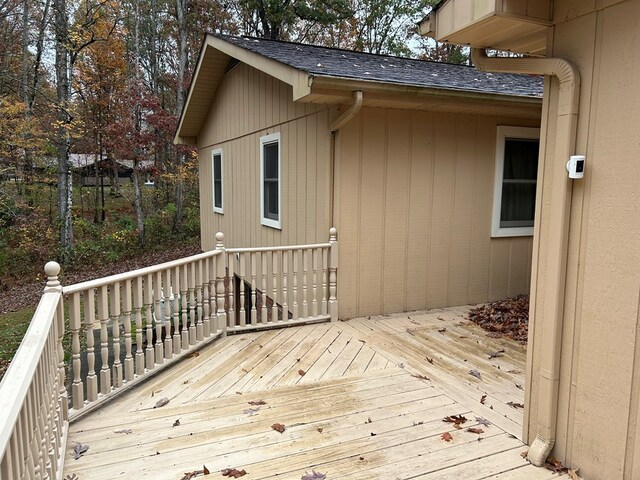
420,377
483,421
320,429
506,317
126,431
555,465
302,373
176,423
497,354
257,402
430,360
278,427
483,399
79,449
515,405
475,430
446,436
195,473
161,403
251,411
71,477
193,354
232,472
475,373
442,330
457,420
314,476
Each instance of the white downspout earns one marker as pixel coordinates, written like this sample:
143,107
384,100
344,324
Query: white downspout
565,140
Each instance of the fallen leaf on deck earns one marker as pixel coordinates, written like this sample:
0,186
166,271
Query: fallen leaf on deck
483,421
504,318
257,402
373,434
232,472
369,420
457,420
126,431
421,377
363,341
176,423
194,354
442,330
475,373
430,360
161,403
519,386
411,332
483,399
278,427
195,473
71,477
475,430
496,354
314,476
251,411
573,474
79,449
524,454
555,465
302,373
319,429
446,436
515,405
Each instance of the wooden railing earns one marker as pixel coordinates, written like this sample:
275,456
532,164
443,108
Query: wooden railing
34,416
126,327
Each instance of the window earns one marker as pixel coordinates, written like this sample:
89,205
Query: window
270,184
216,167
514,196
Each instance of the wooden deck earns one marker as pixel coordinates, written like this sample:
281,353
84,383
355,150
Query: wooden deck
353,396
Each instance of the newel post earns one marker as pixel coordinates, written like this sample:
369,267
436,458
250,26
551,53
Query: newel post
333,274
221,273
52,270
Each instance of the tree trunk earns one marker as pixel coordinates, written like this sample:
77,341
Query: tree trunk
65,191
137,199
181,94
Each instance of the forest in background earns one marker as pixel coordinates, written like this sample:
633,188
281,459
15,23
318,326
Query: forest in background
108,79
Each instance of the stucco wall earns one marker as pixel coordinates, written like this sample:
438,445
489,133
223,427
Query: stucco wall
413,209
598,412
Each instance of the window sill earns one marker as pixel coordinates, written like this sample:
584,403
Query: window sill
267,222
512,232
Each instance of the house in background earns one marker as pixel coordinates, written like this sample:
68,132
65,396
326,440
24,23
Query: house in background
583,373
426,169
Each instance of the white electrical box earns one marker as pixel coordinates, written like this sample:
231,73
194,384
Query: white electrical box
575,166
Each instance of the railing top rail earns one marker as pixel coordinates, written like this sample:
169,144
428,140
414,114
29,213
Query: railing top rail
121,277
18,377
278,249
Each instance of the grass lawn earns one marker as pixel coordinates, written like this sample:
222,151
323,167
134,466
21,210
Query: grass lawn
13,326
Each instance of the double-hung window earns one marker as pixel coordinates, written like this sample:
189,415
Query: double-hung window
516,173
217,173
270,180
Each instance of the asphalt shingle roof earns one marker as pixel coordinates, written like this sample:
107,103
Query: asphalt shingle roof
332,62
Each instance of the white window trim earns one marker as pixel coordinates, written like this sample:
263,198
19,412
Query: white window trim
269,222
502,134
213,181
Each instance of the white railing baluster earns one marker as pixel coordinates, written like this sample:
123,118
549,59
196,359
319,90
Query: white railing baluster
285,306
126,313
148,318
325,279
274,300
263,306
296,313
305,271
314,266
90,318
184,331
233,321
103,316
243,313
177,340
114,300
206,301
199,303
254,311
158,316
192,304
167,295
333,274
75,319
213,300
137,313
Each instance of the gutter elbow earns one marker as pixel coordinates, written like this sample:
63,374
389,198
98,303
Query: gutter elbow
342,120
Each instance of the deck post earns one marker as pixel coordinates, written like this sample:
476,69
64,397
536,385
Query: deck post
220,260
333,274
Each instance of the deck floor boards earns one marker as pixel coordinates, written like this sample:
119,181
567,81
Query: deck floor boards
352,395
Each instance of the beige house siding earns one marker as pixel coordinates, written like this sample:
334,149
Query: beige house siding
249,105
598,427
413,210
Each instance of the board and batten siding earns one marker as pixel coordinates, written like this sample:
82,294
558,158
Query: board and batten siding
248,105
413,209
